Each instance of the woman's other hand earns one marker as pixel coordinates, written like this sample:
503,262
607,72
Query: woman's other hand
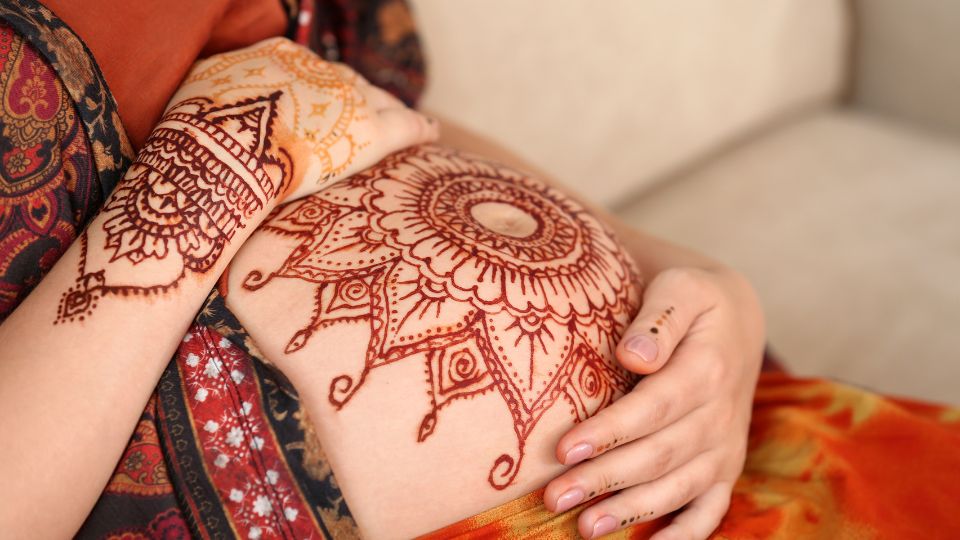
314,121
679,438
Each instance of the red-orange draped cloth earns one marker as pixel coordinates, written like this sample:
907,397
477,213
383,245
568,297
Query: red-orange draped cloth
825,460
144,48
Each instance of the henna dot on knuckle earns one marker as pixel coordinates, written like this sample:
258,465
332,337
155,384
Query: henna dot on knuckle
606,487
604,525
661,320
603,483
636,518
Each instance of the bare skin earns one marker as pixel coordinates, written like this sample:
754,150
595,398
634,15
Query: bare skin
373,430
463,316
116,328
681,433
81,355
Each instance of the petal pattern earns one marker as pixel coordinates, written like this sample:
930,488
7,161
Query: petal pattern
498,284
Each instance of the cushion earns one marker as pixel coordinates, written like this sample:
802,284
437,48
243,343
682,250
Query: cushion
848,225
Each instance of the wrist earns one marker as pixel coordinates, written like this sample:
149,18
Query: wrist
225,157
192,191
194,194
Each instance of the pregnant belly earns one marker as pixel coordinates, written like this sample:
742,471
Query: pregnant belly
445,320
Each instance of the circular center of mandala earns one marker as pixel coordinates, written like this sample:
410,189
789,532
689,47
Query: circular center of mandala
503,218
494,218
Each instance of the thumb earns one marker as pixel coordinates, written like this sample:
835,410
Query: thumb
671,302
401,127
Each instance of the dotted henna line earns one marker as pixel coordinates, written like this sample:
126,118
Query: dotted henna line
660,320
636,518
606,488
610,444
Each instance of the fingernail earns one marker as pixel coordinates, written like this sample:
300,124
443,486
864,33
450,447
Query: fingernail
604,525
643,346
569,499
578,453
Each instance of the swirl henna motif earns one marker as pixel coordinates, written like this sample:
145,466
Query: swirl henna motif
500,285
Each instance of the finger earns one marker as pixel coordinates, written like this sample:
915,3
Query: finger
701,517
379,99
671,302
400,128
654,403
348,75
639,462
650,501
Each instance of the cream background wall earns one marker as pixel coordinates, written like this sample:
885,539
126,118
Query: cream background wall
847,225
612,96
717,125
908,60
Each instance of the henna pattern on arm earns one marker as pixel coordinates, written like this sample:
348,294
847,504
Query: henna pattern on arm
219,156
182,197
497,283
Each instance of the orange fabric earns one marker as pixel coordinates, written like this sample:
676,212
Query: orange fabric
825,460
144,48
245,22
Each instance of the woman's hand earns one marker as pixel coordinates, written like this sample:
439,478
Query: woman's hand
307,121
679,438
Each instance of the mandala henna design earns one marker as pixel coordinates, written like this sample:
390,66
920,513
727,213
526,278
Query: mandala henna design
183,197
497,283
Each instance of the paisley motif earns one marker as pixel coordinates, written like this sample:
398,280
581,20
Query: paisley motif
45,172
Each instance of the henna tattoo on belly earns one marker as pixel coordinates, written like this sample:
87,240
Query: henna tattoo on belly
192,187
498,284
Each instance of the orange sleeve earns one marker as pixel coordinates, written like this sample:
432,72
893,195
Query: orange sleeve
145,48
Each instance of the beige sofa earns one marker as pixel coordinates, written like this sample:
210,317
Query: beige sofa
813,144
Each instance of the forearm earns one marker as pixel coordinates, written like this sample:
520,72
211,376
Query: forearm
83,352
